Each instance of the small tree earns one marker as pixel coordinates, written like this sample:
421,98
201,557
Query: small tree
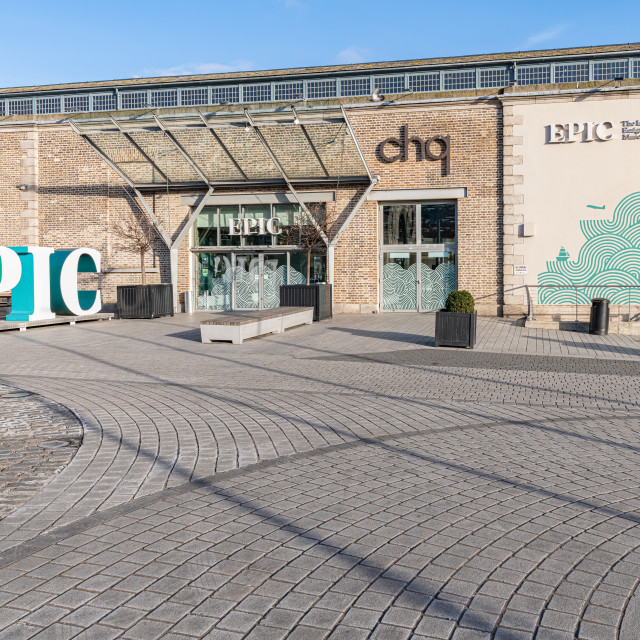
135,234
304,234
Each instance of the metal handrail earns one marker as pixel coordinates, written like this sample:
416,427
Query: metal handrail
530,313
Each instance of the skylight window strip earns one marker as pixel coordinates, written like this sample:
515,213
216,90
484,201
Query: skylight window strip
322,89
288,91
21,107
610,69
256,93
355,87
220,95
534,75
76,104
491,78
164,98
456,80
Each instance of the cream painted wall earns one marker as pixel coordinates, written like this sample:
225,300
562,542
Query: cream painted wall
560,180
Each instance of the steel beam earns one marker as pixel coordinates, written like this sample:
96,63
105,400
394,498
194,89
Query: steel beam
224,147
181,149
355,141
313,146
149,210
140,150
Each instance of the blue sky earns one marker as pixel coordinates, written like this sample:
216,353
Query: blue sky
51,42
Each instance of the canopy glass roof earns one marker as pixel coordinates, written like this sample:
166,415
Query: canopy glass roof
216,150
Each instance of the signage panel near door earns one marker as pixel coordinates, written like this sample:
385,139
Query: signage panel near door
253,227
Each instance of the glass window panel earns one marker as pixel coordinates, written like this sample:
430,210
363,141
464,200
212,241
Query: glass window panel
74,104
459,80
321,89
134,100
104,102
389,84
255,212
225,94
534,75
274,276
207,228
438,223
438,279
318,268
164,98
2,108
48,105
298,268
494,78
256,93
20,107
192,97
578,72
287,214
425,82
247,279
399,282
399,224
226,214
214,280
289,91
636,68
355,86
610,70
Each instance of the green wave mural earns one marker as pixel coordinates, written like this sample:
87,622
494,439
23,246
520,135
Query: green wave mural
609,255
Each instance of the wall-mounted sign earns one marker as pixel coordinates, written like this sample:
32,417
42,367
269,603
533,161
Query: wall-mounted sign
424,148
579,132
252,227
44,282
520,270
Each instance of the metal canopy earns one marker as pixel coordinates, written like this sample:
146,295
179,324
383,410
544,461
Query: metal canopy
188,151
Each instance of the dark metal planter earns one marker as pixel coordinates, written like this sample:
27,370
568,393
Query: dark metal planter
145,301
318,296
456,329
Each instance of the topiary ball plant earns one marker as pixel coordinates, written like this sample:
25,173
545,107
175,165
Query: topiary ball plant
460,302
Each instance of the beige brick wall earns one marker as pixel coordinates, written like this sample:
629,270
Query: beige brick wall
476,163
72,199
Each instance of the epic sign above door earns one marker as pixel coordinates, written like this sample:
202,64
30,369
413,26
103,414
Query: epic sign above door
423,148
45,282
252,227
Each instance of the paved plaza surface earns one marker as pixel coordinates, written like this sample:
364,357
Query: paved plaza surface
341,480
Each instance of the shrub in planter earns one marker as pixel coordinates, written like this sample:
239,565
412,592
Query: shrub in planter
456,324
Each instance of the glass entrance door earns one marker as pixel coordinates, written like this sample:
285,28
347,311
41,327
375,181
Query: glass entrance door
274,275
247,275
399,281
418,255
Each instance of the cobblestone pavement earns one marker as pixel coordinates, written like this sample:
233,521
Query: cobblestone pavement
38,438
344,480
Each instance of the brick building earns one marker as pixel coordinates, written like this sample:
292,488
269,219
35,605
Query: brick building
431,175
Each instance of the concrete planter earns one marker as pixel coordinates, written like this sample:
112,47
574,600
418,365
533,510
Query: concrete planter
145,301
456,329
317,296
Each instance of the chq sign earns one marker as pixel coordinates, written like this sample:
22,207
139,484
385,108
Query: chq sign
44,282
424,148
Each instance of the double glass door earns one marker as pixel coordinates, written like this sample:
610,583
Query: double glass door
417,280
244,280
418,255
257,280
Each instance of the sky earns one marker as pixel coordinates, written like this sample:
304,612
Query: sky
46,42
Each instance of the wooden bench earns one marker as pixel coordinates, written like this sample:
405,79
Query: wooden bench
236,326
